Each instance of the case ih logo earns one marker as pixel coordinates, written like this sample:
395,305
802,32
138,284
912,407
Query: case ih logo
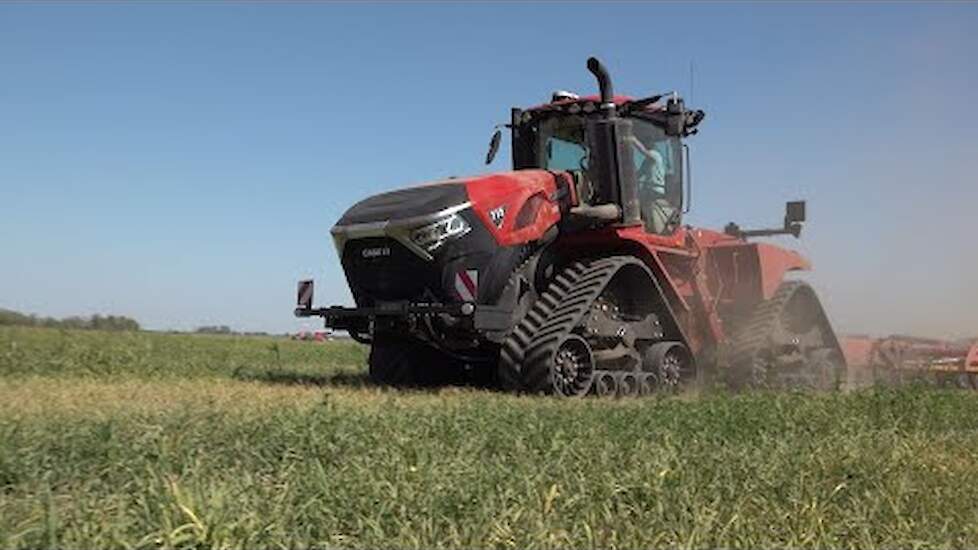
376,252
467,284
497,215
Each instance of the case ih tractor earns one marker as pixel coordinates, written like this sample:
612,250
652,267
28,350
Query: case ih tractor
573,273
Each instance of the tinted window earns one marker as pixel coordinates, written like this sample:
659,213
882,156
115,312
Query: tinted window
562,144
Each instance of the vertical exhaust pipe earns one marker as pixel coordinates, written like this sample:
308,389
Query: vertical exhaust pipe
611,161
604,83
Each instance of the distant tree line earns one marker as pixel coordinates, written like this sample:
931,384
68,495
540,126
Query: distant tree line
214,329
94,322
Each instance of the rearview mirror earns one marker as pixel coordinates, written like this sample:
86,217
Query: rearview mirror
304,295
794,214
794,211
497,136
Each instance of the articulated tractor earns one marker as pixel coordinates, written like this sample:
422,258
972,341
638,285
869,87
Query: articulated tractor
573,273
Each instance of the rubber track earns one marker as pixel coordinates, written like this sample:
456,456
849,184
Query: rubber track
508,368
527,354
512,352
754,337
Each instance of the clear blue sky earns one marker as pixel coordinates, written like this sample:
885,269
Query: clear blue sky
183,163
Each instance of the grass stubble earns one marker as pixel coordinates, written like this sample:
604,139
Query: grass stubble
159,440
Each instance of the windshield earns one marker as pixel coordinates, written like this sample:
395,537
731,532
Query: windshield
562,144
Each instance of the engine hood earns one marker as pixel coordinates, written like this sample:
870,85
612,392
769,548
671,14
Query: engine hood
437,196
407,203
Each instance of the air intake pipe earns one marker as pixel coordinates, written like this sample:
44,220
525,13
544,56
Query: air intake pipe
604,83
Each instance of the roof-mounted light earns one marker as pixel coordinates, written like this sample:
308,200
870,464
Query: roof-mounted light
564,95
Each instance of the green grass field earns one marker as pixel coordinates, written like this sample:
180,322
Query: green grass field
154,440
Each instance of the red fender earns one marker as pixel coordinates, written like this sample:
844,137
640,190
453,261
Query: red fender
775,262
516,207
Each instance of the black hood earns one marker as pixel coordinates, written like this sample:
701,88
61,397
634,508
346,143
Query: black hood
406,203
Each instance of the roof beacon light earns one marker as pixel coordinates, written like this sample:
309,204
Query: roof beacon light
564,95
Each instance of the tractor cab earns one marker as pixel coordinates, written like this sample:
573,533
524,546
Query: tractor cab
626,156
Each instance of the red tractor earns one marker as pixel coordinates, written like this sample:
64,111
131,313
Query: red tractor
573,273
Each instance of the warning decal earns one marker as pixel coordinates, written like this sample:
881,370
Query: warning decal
467,284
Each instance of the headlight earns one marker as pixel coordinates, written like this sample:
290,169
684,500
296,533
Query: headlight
432,236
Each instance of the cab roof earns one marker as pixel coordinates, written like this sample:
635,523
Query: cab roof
594,100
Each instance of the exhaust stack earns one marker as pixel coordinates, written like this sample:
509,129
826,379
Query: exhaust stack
604,83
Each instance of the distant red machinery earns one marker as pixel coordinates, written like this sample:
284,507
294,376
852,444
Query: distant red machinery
900,358
313,335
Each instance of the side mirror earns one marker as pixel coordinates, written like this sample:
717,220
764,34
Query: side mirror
794,215
497,136
304,295
794,211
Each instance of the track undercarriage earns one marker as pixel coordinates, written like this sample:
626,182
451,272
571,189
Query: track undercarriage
590,331
787,342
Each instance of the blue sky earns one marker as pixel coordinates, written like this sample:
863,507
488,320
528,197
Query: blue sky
182,163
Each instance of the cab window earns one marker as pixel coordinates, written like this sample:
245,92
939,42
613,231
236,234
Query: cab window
563,144
658,173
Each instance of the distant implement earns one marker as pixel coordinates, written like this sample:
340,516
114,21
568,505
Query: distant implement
573,274
901,359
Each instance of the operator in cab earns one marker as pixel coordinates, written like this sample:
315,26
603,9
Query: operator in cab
657,211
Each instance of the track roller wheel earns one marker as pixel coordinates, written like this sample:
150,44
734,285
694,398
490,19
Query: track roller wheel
605,384
572,371
669,362
646,383
628,384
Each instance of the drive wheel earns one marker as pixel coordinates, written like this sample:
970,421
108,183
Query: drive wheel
670,363
572,371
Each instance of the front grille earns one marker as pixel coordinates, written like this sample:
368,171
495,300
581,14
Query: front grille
380,268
